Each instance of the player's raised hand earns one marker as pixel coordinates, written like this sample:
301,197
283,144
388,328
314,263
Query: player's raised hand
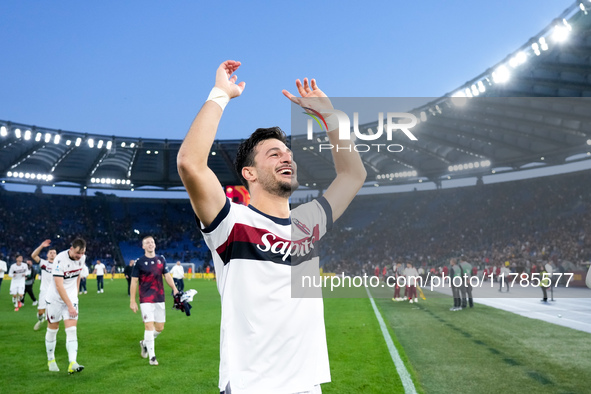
311,96
226,81
46,243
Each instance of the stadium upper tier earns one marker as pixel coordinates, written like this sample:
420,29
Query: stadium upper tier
533,109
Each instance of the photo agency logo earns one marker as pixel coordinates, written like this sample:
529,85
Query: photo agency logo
370,140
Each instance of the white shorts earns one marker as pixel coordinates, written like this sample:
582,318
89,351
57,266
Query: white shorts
57,311
17,288
153,312
42,303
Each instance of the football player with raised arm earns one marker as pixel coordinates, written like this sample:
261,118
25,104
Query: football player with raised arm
270,341
46,267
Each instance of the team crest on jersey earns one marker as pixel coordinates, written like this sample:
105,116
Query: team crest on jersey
301,226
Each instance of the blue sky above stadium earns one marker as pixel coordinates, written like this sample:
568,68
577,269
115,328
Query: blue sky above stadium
143,69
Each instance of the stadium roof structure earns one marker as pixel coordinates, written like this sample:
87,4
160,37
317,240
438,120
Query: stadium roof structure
533,109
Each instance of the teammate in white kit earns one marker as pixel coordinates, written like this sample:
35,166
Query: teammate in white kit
270,342
62,303
46,278
18,272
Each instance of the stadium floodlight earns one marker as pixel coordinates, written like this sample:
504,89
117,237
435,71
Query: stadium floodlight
213,153
92,180
560,33
38,137
78,141
109,144
56,139
123,144
148,152
27,135
9,174
518,59
536,48
17,133
21,175
128,182
543,43
50,177
475,91
3,131
423,116
68,142
47,137
103,181
91,142
588,142
501,74
27,175
155,152
100,144
132,145
481,87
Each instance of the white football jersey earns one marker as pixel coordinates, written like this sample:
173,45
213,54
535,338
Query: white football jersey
100,269
65,267
46,274
270,341
18,273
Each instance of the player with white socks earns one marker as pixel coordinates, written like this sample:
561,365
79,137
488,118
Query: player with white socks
46,278
147,273
62,303
18,272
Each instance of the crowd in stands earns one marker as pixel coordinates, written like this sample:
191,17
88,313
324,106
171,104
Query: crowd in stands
520,222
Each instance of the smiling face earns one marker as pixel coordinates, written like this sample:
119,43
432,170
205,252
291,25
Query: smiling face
274,170
149,245
51,255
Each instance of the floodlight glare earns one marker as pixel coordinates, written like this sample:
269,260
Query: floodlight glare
481,87
68,142
27,135
560,33
9,173
91,142
49,177
56,139
109,144
38,137
475,91
47,137
100,144
501,74
3,131
78,141
17,133
123,144
543,43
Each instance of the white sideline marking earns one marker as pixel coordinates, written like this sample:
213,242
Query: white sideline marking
407,383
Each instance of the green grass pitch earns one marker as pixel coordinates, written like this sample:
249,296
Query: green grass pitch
482,350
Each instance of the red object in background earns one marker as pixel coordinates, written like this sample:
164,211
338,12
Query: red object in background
238,194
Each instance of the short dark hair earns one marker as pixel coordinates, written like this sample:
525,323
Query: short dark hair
148,236
79,243
52,248
245,155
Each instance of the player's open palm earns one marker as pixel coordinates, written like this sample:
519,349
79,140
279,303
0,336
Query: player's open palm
311,96
226,81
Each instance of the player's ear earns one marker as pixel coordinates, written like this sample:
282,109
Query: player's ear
249,173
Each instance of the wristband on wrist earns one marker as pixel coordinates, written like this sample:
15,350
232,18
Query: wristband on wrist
218,96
